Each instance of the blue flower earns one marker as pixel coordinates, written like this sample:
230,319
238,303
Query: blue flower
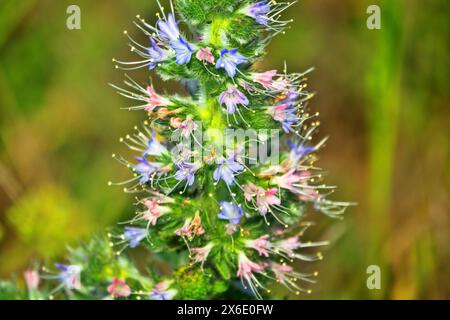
291,118
162,291
286,111
291,97
232,98
229,60
258,11
183,50
231,212
226,169
69,276
298,151
186,171
154,147
134,235
145,169
156,54
169,29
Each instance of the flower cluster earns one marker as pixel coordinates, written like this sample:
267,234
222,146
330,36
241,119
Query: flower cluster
232,217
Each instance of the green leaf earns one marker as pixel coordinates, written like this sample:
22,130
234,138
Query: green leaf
222,267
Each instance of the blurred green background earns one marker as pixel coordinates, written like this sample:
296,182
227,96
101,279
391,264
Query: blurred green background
383,97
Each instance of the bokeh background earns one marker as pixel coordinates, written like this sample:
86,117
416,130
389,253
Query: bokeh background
382,94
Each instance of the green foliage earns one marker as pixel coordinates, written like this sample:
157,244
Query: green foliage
203,12
10,291
192,283
47,213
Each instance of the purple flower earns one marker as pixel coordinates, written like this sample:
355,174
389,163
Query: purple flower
154,147
69,276
134,235
185,129
183,50
145,169
162,291
226,169
229,60
290,118
258,11
156,54
232,98
231,212
291,97
169,29
186,171
298,151
286,111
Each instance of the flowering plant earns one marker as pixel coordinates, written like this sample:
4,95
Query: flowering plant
226,220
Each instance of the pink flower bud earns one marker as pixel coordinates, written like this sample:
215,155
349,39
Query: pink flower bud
205,54
32,279
119,288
